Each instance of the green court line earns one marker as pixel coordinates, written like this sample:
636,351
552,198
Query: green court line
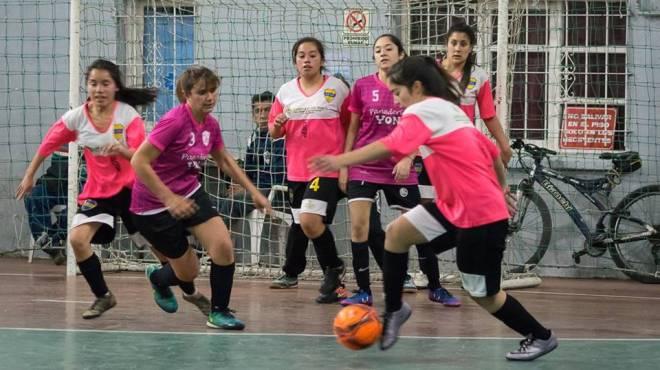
95,349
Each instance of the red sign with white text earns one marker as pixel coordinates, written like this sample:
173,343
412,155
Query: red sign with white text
588,128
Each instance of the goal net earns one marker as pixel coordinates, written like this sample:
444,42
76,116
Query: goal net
548,60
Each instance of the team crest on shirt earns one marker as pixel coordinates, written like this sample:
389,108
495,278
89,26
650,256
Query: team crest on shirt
329,95
88,204
403,192
206,137
118,131
472,83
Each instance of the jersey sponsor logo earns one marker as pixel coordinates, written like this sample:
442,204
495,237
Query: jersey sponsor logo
192,139
118,132
403,192
206,137
88,204
472,83
329,95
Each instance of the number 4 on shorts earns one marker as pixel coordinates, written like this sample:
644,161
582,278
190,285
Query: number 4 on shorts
314,185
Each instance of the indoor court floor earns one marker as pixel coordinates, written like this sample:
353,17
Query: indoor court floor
601,324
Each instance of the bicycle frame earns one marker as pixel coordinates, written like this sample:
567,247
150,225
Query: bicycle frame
542,175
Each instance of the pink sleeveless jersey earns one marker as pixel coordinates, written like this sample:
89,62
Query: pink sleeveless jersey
379,115
106,175
316,124
458,159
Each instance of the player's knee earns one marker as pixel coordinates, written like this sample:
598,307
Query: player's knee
221,251
312,225
187,274
78,241
393,230
359,232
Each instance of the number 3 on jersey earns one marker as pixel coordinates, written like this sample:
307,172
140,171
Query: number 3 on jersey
314,184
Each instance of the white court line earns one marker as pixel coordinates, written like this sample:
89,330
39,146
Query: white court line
60,301
308,335
517,291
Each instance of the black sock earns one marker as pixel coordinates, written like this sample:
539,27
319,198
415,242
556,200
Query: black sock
326,251
296,248
376,238
361,265
91,270
186,287
222,280
428,263
163,278
395,266
515,316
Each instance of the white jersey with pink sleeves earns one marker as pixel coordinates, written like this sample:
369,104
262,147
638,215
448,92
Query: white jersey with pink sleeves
477,93
106,175
315,124
379,114
184,145
458,159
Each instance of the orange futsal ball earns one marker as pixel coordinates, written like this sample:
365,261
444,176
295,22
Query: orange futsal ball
357,326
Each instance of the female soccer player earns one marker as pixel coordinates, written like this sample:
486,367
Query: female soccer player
374,115
169,202
474,82
109,129
469,178
311,112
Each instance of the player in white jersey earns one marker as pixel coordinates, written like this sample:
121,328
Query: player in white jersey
109,129
460,64
471,207
311,112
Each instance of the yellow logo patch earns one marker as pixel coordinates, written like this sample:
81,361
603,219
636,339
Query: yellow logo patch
88,204
472,83
329,95
118,131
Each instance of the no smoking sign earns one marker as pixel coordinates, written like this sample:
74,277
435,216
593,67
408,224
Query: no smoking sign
356,27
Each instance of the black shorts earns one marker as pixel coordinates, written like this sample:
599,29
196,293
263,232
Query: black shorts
167,234
105,212
398,196
478,249
318,196
426,189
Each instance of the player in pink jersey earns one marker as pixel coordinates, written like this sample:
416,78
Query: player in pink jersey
471,207
169,202
109,129
474,81
374,115
311,112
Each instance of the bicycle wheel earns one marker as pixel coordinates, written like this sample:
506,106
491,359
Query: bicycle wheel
637,259
529,233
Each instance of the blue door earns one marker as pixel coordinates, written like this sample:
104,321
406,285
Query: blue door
168,51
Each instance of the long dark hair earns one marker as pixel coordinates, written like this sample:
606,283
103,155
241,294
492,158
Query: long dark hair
462,27
191,76
313,40
131,96
434,79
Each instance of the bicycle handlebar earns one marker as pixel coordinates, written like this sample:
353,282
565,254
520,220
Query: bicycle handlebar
537,152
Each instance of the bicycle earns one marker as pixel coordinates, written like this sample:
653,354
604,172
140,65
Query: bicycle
630,235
